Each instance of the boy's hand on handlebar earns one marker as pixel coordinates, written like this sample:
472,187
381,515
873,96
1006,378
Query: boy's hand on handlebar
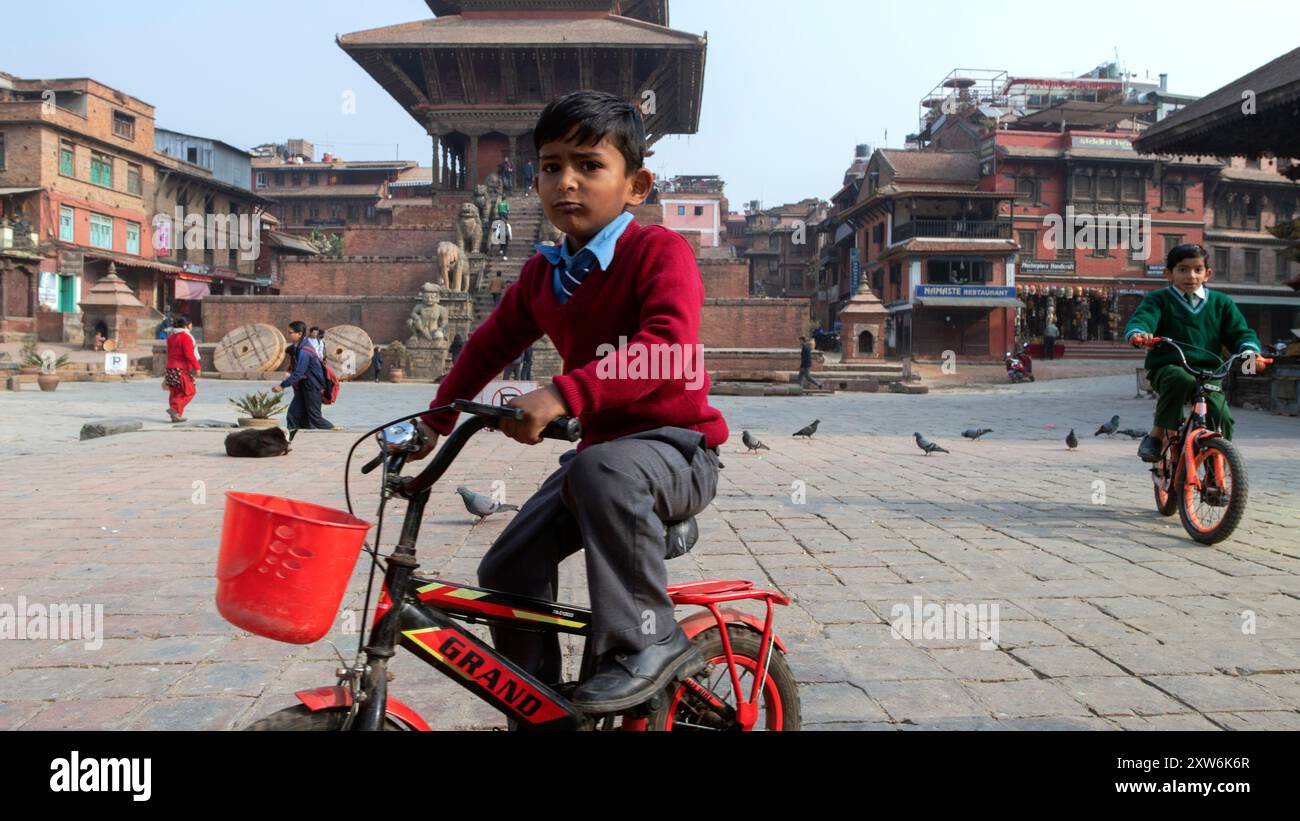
1254,363
430,438
540,408
1140,340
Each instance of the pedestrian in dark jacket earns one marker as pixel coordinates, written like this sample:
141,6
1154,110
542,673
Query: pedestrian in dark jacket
377,362
805,363
308,383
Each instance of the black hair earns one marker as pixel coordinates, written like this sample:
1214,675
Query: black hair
595,115
1189,250
314,328
298,327
181,320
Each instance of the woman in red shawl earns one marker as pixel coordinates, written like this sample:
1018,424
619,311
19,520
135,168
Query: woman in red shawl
182,367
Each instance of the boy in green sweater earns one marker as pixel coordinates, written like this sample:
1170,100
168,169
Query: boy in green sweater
1205,322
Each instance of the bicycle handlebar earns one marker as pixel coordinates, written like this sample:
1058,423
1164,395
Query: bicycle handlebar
1151,341
565,429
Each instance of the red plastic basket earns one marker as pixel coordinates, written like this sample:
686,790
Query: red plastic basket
284,565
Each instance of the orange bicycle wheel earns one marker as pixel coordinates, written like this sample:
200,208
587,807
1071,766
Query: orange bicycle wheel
1212,509
1162,478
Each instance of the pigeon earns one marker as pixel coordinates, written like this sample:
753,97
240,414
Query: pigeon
976,433
1132,434
752,443
1110,427
1071,441
480,505
927,446
808,431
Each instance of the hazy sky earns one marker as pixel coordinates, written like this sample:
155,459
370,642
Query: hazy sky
790,87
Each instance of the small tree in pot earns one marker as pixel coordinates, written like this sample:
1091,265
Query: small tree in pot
397,357
261,408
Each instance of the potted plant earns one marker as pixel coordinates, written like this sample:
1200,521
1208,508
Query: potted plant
29,361
397,357
261,408
48,369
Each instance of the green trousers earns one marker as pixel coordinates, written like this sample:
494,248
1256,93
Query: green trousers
1174,388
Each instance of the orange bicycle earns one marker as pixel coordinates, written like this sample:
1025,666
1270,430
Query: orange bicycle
1200,474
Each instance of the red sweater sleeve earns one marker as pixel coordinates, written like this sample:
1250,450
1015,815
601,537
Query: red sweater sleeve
502,337
191,346
671,293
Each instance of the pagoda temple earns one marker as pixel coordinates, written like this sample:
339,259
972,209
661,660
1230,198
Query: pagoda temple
478,75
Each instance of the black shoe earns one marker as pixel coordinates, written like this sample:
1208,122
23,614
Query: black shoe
624,680
1149,450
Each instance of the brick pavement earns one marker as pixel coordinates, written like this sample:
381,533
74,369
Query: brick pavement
1110,617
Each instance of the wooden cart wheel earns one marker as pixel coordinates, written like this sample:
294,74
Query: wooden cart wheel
348,350
248,348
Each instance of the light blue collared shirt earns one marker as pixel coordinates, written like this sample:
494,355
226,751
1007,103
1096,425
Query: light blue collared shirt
602,246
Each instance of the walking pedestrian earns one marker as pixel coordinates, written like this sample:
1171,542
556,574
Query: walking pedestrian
1050,334
456,344
377,362
308,383
496,287
805,363
530,172
316,339
182,367
507,170
526,366
512,370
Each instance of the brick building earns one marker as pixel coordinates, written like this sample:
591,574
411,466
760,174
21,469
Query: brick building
330,195
77,170
1027,154
695,206
781,246
931,243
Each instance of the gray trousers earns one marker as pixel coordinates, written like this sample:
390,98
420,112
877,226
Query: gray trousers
611,499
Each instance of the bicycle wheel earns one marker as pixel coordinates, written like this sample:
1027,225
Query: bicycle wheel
1211,512
1162,477
778,707
300,719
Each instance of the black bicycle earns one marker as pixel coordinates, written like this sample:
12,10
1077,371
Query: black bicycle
745,682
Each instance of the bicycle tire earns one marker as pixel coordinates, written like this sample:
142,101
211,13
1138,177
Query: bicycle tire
1236,503
301,719
1166,496
780,690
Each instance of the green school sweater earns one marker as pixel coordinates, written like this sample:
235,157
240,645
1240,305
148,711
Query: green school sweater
1214,325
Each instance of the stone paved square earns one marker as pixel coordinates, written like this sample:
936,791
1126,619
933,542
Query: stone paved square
1109,616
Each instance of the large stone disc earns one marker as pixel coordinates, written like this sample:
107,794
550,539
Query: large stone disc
348,349
254,347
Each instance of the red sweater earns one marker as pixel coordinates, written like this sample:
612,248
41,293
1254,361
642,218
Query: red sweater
651,295
182,351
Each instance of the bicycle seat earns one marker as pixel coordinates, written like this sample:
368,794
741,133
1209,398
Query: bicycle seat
682,536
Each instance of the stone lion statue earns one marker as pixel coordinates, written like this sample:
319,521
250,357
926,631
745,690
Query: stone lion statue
428,317
453,266
481,201
469,229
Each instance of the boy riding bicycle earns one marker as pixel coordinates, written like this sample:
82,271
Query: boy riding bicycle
612,292
1207,321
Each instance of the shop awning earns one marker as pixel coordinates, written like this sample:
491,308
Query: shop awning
1257,299
188,289
980,302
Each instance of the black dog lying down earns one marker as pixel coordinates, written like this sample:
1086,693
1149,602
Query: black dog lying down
256,443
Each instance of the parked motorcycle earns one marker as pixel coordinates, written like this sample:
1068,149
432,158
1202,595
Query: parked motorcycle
1017,369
